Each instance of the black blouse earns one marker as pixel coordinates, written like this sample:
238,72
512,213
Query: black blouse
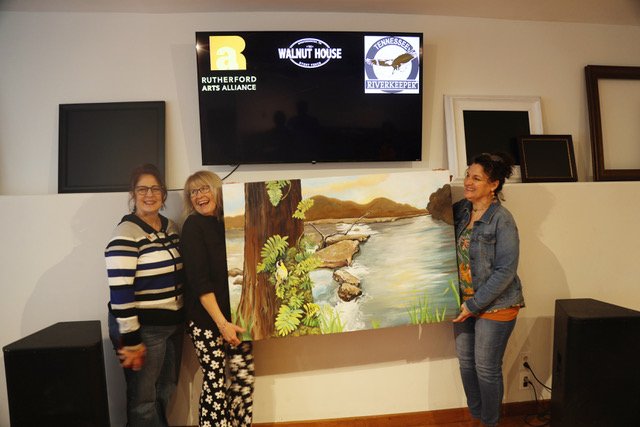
203,252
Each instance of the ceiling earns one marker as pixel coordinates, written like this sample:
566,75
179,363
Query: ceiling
616,12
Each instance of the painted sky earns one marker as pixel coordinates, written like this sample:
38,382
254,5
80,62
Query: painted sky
412,188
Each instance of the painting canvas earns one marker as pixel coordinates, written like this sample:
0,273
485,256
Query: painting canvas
339,254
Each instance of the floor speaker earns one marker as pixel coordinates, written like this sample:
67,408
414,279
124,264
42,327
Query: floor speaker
596,357
56,377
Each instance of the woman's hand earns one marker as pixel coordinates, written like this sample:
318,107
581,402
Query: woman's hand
230,333
133,359
228,330
464,314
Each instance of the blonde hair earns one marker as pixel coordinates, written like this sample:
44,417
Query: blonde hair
197,180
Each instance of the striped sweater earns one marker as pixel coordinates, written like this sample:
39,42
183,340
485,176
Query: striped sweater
145,276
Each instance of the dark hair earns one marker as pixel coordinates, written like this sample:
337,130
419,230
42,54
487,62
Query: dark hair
146,169
497,166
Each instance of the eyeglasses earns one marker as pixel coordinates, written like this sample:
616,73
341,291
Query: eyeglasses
205,189
143,190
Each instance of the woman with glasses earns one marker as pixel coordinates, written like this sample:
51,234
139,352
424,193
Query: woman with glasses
223,401
488,251
146,318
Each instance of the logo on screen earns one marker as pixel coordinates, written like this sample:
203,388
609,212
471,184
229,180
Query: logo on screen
226,53
391,64
309,53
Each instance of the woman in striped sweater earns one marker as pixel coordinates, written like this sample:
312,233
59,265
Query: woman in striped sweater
146,317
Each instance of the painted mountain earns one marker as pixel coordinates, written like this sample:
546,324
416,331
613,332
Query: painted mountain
339,254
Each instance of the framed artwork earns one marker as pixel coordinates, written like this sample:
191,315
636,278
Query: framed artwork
613,97
479,124
339,254
547,158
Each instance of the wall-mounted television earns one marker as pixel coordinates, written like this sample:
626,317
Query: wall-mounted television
101,143
312,96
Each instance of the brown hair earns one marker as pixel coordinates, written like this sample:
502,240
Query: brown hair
497,166
136,174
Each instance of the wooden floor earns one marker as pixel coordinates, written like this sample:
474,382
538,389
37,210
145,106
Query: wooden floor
519,420
522,421
508,421
512,421
521,414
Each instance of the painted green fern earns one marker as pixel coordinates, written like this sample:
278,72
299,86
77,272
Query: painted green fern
288,271
302,208
295,300
274,191
287,320
273,249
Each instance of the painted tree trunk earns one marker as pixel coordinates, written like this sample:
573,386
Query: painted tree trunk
258,301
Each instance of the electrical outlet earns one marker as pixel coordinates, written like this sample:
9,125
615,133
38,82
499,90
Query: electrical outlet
524,357
523,381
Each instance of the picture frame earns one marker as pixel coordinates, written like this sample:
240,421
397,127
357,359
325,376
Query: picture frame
547,158
509,116
338,215
613,98
100,143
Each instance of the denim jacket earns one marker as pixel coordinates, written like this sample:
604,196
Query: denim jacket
493,255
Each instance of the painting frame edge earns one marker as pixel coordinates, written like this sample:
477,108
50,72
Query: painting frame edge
438,182
593,73
567,139
454,106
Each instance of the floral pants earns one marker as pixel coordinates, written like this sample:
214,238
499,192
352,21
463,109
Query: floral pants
226,399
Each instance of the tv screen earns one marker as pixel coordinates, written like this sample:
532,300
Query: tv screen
292,97
101,143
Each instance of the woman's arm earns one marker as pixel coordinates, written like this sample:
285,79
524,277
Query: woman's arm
196,259
505,264
227,329
121,257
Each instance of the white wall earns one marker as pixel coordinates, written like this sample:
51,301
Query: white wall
578,240
54,58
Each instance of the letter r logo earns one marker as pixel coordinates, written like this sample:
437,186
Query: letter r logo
226,53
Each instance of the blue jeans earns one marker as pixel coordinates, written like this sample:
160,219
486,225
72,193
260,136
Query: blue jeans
150,389
480,345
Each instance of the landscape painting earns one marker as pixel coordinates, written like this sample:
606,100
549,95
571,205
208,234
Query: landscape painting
339,254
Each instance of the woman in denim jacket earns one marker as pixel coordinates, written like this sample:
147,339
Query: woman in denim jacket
488,249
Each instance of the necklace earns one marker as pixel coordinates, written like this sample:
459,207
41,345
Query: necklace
479,209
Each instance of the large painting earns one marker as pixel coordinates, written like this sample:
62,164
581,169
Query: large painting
329,255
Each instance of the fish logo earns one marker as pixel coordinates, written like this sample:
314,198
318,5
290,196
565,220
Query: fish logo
392,64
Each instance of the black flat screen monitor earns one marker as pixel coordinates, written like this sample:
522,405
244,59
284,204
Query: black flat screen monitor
314,96
101,143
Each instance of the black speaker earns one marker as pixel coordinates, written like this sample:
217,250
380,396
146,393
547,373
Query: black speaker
596,371
56,377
